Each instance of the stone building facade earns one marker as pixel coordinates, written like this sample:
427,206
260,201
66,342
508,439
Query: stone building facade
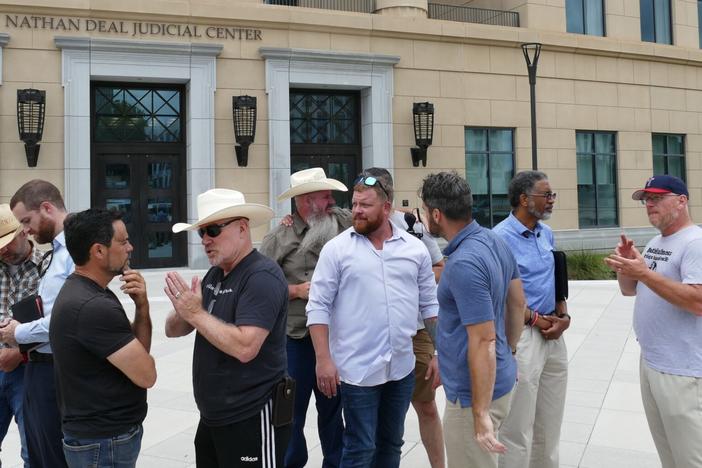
139,102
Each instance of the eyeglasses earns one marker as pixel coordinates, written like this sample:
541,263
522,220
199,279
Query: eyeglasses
370,181
656,199
550,196
213,230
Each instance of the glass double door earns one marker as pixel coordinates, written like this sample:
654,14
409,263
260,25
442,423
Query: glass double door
148,188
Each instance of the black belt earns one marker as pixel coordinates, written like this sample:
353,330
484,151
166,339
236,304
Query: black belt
35,356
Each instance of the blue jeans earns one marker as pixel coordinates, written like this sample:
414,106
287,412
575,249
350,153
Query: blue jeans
11,395
375,423
120,451
301,367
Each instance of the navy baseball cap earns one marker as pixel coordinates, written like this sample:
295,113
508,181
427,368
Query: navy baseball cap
662,184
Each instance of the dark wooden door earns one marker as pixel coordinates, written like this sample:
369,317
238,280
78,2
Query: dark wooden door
137,167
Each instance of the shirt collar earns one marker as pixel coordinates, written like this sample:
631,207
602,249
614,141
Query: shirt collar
397,233
521,229
464,233
59,241
299,224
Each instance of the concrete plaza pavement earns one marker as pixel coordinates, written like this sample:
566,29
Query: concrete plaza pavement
604,424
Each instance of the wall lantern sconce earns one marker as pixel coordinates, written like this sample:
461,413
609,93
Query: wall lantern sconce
423,113
31,109
244,111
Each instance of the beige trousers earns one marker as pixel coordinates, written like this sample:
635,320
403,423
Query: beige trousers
532,429
673,406
459,434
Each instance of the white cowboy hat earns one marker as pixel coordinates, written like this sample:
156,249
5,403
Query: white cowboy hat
310,180
9,226
217,204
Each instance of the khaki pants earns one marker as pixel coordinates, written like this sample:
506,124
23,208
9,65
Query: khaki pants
532,429
459,434
673,408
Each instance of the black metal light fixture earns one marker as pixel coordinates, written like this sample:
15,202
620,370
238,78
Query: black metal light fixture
423,114
531,51
31,109
244,112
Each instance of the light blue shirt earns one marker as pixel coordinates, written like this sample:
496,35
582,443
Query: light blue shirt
473,290
534,253
49,287
369,299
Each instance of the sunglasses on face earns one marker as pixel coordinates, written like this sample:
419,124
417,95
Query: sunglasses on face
213,230
370,181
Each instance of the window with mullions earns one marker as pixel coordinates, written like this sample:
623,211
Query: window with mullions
655,21
669,155
597,179
489,168
323,118
585,17
126,114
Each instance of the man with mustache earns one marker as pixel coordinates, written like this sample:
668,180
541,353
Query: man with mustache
367,289
667,282
531,431
39,208
296,248
21,267
102,361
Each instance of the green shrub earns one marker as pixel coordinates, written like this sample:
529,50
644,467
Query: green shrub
588,266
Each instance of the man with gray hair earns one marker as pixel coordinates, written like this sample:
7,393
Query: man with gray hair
481,315
295,247
531,431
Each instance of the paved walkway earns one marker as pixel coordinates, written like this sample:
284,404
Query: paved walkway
604,424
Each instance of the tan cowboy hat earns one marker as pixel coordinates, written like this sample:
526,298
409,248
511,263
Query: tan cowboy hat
308,181
9,226
216,204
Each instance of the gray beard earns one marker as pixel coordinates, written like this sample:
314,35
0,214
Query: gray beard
541,215
323,227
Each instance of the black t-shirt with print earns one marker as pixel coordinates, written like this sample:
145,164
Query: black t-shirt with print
87,325
254,293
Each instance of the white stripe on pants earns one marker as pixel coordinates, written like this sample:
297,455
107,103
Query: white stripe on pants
267,437
532,430
674,412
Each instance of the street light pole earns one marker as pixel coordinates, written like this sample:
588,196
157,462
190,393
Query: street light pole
531,51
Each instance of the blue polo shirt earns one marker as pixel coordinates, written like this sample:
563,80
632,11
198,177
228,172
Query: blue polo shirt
534,253
472,290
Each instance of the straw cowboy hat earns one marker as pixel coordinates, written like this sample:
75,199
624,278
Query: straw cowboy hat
9,226
217,204
308,181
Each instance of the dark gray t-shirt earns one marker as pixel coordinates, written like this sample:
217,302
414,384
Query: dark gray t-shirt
255,293
88,324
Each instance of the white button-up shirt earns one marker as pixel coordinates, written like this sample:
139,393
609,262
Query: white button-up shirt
369,299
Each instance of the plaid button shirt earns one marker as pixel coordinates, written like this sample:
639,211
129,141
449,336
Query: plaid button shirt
24,282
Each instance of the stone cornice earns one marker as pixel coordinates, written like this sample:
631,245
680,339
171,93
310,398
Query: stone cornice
122,45
327,56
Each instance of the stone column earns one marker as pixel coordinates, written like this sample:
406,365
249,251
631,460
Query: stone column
407,8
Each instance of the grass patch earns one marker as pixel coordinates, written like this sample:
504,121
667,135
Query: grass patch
588,266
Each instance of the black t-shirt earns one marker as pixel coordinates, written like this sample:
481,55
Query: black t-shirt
88,324
254,293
